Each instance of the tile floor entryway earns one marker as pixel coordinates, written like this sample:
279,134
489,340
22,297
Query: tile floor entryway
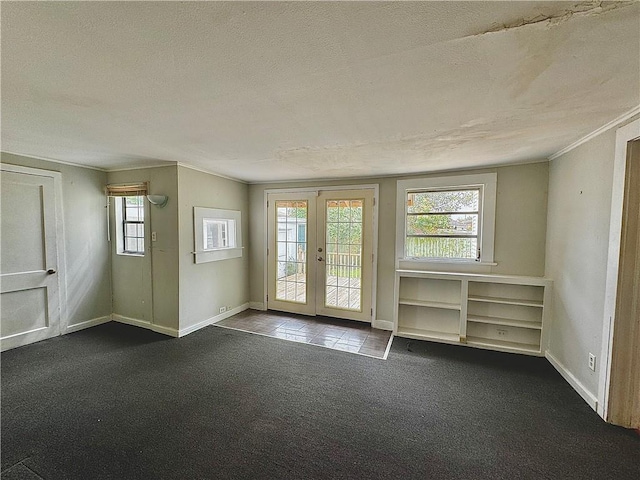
346,335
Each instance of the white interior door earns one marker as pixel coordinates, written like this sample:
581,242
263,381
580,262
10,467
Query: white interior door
320,253
29,280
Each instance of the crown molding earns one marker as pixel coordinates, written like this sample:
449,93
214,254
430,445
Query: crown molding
125,169
613,123
210,172
45,159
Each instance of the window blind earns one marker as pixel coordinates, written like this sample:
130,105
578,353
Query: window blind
127,190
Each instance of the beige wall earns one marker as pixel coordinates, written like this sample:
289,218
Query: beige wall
182,293
521,212
205,287
521,219
86,248
580,188
147,288
131,276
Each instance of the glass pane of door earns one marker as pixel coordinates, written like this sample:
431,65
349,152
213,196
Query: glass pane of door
344,243
291,246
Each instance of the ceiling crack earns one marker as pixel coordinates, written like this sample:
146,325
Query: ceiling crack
582,9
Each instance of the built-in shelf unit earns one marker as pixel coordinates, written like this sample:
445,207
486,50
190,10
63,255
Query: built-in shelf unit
497,312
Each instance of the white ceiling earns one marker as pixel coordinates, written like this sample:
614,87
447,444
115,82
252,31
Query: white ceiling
283,91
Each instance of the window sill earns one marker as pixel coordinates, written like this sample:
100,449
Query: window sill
218,254
221,249
445,261
126,254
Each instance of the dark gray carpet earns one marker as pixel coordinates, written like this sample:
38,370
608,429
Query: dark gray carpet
119,402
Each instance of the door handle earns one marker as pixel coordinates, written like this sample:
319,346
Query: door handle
319,259
51,271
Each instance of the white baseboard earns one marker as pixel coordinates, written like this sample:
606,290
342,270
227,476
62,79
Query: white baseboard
257,306
24,338
172,332
88,323
209,321
382,324
186,331
130,321
586,395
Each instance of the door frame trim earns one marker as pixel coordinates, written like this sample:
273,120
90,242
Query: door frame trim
624,135
60,238
315,189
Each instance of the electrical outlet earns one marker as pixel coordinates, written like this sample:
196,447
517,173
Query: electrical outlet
154,237
592,362
502,332
223,309
228,308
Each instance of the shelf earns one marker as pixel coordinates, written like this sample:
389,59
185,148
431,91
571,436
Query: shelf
420,334
503,345
476,277
424,303
504,321
495,312
506,301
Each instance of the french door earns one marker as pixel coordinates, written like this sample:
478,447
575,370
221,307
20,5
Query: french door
320,253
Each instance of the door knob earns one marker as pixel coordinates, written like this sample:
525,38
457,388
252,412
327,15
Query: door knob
320,249
319,259
51,271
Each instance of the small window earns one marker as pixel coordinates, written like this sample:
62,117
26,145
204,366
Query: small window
129,217
218,233
133,225
443,223
446,219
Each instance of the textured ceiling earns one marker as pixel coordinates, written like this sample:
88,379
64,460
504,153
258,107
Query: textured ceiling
283,91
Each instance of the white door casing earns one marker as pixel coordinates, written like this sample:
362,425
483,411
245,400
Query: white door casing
31,267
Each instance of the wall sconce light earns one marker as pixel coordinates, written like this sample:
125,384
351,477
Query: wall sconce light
159,200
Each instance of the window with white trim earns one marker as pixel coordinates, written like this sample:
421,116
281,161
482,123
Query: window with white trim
446,219
218,234
129,213
129,216
443,223
132,225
